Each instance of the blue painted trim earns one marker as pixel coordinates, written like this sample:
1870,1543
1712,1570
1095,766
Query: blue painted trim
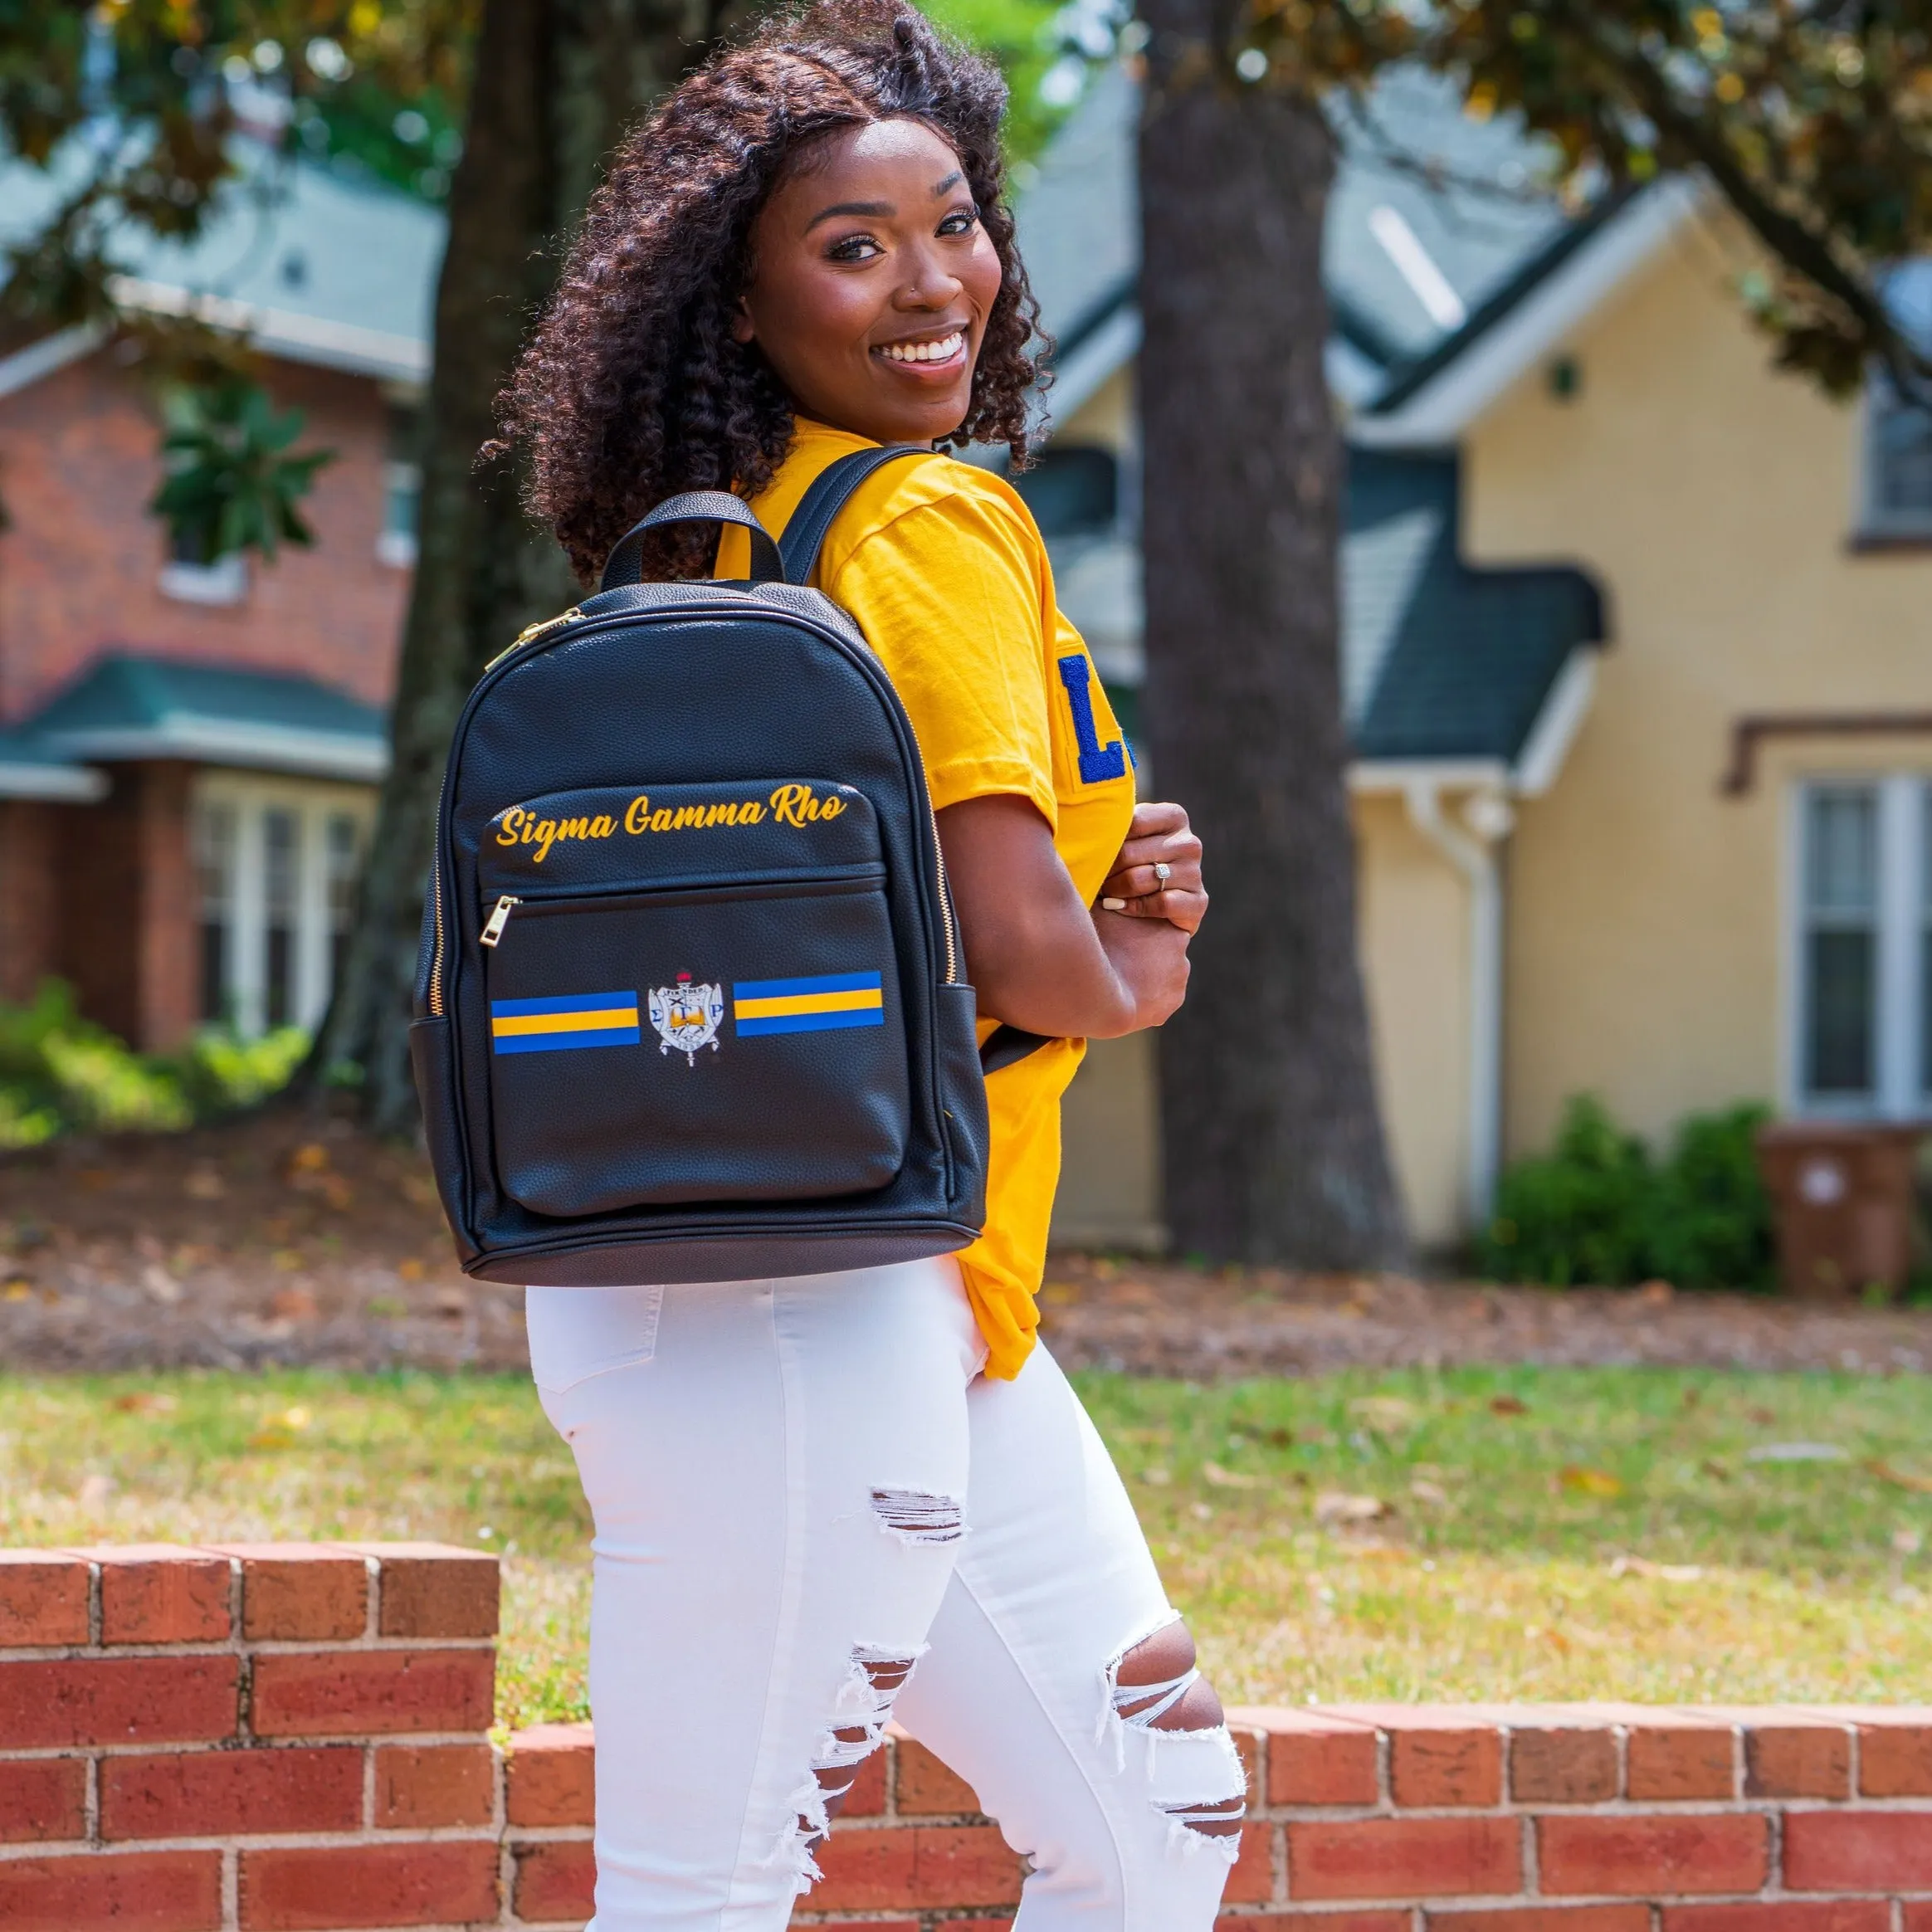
564,1042
791,988
813,1023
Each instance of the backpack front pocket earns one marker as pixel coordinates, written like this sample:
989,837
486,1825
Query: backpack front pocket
733,1039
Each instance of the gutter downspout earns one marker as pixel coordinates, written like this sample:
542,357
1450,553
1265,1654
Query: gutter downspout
1471,847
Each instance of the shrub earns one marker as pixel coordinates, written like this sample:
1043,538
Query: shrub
61,1073
1599,1208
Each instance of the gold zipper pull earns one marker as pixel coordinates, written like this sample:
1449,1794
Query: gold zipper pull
533,631
492,932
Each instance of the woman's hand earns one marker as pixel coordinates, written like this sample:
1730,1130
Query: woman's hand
1038,958
1159,836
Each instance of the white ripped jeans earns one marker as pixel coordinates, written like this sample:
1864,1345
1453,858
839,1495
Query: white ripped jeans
801,1487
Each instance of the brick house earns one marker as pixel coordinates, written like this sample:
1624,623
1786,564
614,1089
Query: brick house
188,753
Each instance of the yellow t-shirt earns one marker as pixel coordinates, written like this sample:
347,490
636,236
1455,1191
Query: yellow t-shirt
943,568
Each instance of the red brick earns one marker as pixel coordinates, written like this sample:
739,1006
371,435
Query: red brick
43,1798
421,1787
1895,1759
1787,1754
43,1597
1918,1918
195,1794
434,1589
286,1889
56,1703
1252,1882
904,1867
1628,1856
1313,1922
1561,1763
1437,1756
158,1593
1404,1858
1831,1915
300,1593
1248,1745
927,1787
333,1694
1546,1918
1314,1758
1679,1755
866,1799
144,1891
906,1925
548,1779
557,1880
1858,1850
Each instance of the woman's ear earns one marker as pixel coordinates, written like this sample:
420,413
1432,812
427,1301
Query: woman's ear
742,331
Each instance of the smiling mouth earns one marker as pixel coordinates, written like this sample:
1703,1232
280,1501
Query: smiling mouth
942,350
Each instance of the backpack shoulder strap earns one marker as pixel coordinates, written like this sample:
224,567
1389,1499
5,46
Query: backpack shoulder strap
831,489
804,536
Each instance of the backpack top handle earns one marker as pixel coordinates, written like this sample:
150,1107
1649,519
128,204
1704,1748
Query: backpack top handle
625,565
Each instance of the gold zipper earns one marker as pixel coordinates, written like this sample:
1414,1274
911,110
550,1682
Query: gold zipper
492,933
435,1005
533,631
945,898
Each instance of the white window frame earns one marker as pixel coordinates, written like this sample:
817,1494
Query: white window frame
223,582
1901,916
395,546
1878,519
314,802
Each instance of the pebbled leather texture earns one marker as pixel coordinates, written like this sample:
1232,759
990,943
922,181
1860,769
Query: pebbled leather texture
751,1148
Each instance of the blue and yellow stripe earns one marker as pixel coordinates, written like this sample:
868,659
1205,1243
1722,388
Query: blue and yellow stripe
820,1005
576,1019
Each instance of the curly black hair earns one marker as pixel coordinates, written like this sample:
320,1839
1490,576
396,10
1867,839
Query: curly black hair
632,387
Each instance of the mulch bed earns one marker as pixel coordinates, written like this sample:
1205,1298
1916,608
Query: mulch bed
290,1238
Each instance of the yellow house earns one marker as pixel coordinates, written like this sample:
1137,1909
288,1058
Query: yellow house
1638,664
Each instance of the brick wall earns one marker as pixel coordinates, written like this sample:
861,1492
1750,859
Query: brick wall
28,839
294,1737
81,561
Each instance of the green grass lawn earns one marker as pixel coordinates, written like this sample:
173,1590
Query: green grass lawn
1512,1534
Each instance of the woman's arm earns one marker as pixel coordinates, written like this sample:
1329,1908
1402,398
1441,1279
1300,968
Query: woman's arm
1039,959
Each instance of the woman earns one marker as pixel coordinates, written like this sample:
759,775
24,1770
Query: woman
823,1501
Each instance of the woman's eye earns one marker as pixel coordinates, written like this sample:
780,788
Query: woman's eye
960,221
853,248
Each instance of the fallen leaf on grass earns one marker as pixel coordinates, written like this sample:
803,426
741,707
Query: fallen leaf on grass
410,1270
146,1401
1425,1491
1333,1506
1903,1478
1714,1469
17,1291
1157,1476
1212,1472
1796,1452
294,1305
1388,1415
1763,1418
1656,1294
1669,1572
286,1261
310,1159
1508,1405
280,1431
1590,1482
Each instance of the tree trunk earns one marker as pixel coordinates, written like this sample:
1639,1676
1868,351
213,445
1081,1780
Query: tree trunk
555,81
1272,1138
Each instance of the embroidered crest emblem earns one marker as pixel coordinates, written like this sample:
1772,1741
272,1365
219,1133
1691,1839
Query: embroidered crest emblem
687,1016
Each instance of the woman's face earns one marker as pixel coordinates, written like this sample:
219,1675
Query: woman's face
872,283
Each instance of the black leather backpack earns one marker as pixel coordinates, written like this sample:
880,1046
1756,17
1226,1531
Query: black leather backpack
691,1005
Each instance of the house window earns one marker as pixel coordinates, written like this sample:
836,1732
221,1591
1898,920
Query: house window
1073,490
1864,951
1898,463
189,576
278,862
401,489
